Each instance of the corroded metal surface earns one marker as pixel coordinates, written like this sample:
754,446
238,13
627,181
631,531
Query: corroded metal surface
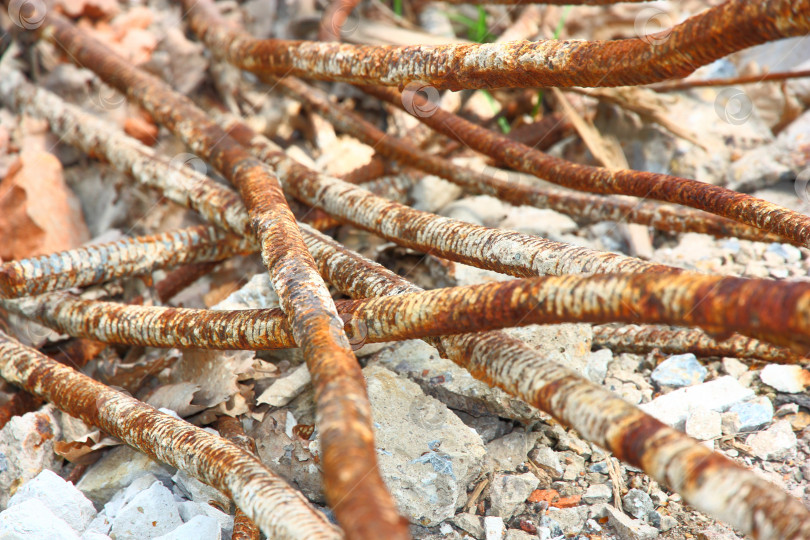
344,413
698,41
502,251
279,510
132,256
643,339
231,429
584,207
509,252
742,499
740,207
774,311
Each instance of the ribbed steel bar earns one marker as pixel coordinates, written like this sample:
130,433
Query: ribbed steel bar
279,510
773,312
344,413
515,253
588,208
98,263
740,207
231,429
676,52
708,481
643,339
508,252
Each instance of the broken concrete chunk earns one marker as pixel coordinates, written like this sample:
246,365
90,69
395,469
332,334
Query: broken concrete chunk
451,384
116,470
198,528
717,395
508,491
26,448
33,520
776,442
784,378
679,370
427,456
149,514
60,497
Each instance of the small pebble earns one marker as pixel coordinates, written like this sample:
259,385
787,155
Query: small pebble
785,378
637,503
679,370
703,424
493,528
776,442
753,414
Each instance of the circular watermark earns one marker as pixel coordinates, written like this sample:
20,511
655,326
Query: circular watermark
733,106
356,330
653,25
344,21
181,177
420,99
27,14
511,184
105,98
34,334
801,188
427,413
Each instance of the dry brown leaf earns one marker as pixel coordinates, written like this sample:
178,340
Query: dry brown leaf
38,212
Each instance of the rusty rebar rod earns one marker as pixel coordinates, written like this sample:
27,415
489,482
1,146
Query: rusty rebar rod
675,52
515,253
347,438
773,311
280,511
740,207
98,263
584,207
734,494
231,429
643,339
507,252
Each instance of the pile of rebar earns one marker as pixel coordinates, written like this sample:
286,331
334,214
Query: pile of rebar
556,282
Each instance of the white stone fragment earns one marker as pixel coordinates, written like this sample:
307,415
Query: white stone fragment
508,491
190,509
32,520
149,514
198,528
784,378
703,424
123,496
26,448
117,469
493,528
193,489
717,395
94,535
61,497
776,442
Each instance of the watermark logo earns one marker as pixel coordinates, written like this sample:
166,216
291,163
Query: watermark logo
420,99
511,183
733,106
179,174
653,25
427,413
27,14
343,22
105,98
356,330
802,191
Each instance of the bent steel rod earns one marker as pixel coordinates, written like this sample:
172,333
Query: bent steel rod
344,413
675,52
